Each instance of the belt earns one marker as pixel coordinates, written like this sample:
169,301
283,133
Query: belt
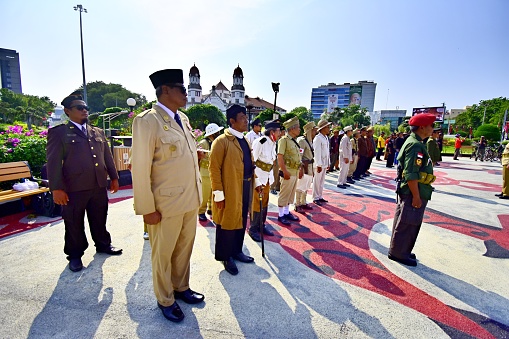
264,166
426,178
291,164
204,163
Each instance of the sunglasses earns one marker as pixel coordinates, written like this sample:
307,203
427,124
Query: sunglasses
182,88
81,107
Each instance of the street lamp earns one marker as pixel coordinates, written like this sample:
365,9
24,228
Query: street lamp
275,88
81,9
131,103
249,114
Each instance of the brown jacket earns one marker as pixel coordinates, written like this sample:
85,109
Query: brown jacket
77,162
226,170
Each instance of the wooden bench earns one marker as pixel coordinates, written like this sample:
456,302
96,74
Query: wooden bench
15,171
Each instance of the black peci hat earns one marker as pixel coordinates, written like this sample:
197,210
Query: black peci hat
167,76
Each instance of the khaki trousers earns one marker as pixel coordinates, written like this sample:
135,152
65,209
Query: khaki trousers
505,177
287,192
303,185
343,170
265,200
353,166
172,244
206,189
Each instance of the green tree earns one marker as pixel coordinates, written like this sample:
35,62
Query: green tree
489,131
350,115
265,115
101,95
201,115
24,107
474,115
303,112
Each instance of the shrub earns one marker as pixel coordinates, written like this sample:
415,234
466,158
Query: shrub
490,132
19,144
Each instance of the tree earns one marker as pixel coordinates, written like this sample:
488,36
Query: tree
474,115
201,115
24,107
490,132
265,115
354,115
303,112
101,95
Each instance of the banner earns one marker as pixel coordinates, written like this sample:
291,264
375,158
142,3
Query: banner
355,96
437,111
332,102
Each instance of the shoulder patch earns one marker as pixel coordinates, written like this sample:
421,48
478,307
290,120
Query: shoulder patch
263,140
142,114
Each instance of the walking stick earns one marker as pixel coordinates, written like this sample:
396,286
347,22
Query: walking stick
260,197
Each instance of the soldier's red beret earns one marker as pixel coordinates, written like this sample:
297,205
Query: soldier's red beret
423,119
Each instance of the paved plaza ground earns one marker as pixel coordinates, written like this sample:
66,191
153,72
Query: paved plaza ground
327,276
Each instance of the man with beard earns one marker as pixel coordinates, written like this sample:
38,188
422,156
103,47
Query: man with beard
79,161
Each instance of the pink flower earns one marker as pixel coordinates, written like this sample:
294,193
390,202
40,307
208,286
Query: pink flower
9,150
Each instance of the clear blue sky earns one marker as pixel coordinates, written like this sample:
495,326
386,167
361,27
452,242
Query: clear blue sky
424,52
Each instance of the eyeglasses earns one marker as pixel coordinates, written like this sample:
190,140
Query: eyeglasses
81,107
182,88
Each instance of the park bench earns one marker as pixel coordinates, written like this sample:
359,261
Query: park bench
43,202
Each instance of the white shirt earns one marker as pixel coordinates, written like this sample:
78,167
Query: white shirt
79,126
266,153
322,150
252,136
167,110
345,148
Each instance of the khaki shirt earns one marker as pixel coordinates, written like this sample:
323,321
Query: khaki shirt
288,147
307,153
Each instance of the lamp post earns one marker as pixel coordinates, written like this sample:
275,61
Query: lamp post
131,103
275,88
81,9
249,114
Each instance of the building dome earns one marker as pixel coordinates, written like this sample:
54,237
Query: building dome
194,71
238,72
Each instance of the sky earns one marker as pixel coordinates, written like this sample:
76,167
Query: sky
420,53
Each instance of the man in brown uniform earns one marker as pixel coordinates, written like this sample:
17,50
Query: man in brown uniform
304,183
167,190
288,155
79,161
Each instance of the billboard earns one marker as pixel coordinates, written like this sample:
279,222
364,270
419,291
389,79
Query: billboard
355,96
332,102
437,111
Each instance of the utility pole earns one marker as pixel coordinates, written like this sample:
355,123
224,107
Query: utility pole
81,9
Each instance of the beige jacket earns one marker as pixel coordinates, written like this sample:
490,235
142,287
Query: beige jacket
165,169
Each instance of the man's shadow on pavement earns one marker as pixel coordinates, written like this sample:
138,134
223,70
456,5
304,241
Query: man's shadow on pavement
142,305
77,305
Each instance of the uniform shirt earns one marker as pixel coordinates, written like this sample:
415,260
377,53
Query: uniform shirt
251,136
415,159
353,141
205,144
345,148
289,148
362,147
321,147
264,152
307,152
433,150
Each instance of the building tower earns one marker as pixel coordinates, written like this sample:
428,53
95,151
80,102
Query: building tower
194,88
238,90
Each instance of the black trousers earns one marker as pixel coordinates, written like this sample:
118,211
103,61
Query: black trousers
379,153
230,242
390,159
406,226
361,166
95,203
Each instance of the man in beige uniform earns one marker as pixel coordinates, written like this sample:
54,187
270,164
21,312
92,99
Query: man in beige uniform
304,183
211,132
167,190
353,165
288,157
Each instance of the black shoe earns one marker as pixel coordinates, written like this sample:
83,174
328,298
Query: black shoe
504,197
255,236
243,258
209,212
75,265
307,207
323,200
202,217
300,210
284,221
407,261
350,181
172,313
412,256
389,166
110,250
273,192
346,185
341,186
230,267
499,195
291,217
318,202
356,178
189,296
267,232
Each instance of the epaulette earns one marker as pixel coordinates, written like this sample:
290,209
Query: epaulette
59,126
142,114
262,140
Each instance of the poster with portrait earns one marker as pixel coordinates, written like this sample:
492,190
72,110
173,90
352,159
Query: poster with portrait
355,96
437,111
332,102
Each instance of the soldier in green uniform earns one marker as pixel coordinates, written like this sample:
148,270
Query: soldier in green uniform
288,156
415,175
432,147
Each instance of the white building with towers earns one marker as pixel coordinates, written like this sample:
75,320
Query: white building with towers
219,95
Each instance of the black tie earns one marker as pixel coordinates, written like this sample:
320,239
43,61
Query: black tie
84,130
177,119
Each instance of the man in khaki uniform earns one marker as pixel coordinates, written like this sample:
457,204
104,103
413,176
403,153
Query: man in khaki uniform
505,174
304,183
288,156
322,160
211,132
167,190
353,165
